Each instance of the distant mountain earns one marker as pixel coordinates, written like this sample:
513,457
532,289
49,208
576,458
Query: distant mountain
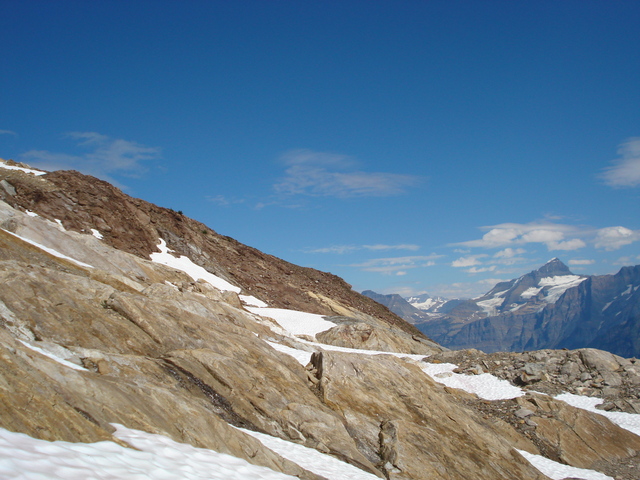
427,303
547,308
399,306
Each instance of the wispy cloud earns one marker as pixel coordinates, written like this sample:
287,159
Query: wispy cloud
396,265
224,201
322,174
625,171
577,261
8,132
103,157
342,249
632,260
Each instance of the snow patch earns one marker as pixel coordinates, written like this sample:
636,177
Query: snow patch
312,460
558,285
50,251
559,471
485,385
22,169
530,292
53,356
96,234
295,322
187,266
31,214
628,421
628,290
490,307
252,301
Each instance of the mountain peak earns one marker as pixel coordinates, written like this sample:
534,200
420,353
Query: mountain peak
554,267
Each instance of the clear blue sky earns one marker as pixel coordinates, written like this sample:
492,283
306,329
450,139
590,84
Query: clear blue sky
407,146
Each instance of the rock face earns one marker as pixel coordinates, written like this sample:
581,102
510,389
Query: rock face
547,308
92,335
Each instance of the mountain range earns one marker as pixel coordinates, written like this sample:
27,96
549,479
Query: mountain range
136,342
547,308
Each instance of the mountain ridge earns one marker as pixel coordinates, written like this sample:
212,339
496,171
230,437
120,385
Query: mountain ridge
549,307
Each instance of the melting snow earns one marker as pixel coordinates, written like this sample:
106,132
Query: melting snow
158,457
312,460
53,356
31,214
96,234
252,301
22,169
194,271
485,385
628,421
50,251
558,471
295,322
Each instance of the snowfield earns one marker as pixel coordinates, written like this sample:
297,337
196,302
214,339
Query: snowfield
158,458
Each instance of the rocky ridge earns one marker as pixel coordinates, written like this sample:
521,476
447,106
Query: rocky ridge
92,335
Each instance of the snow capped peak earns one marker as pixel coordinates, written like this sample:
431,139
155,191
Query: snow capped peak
552,268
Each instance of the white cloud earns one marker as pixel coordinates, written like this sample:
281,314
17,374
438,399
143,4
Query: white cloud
625,171
613,238
106,156
509,252
553,235
469,261
320,174
581,262
8,132
481,270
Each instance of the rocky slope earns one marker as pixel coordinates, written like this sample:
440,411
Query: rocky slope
547,308
94,333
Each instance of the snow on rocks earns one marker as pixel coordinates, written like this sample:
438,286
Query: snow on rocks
559,471
50,251
312,460
53,356
628,421
252,301
295,322
158,457
194,271
558,285
32,171
485,385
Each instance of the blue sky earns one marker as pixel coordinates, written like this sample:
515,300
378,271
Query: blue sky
407,146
